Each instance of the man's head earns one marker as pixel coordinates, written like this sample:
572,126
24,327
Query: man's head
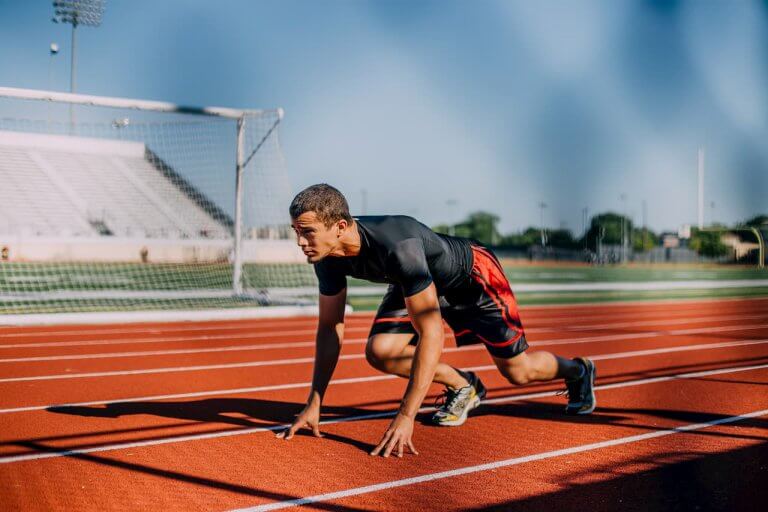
320,217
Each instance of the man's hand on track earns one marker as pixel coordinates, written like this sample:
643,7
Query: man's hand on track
397,436
309,418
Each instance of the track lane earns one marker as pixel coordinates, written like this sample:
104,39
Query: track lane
274,407
174,474
252,471
30,392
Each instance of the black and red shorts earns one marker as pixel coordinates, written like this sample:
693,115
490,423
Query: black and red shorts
482,311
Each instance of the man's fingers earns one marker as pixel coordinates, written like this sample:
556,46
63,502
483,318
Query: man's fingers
316,430
390,445
381,444
412,448
288,433
400,448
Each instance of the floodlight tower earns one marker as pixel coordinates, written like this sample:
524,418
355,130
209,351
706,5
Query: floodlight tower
77,12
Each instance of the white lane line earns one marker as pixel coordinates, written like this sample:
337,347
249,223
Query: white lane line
169,339
643,323
301,344
357,380
692,427
218,392
109,355
304,360
349,328
383,414
544,309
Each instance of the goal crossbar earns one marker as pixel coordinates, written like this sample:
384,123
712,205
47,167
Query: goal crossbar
127,103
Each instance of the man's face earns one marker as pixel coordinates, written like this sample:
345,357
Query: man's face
315,239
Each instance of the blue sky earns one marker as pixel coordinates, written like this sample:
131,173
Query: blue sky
440,108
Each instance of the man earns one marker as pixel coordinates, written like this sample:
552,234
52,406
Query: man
431,277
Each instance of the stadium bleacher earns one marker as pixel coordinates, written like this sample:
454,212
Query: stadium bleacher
67,185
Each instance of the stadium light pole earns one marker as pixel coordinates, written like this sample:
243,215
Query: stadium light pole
52,51
77,12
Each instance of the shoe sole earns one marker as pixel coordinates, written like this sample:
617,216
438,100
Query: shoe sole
592,375
460,421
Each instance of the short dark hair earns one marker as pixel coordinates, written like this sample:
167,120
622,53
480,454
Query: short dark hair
328,203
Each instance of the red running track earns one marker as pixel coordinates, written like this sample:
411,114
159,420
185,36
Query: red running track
181,417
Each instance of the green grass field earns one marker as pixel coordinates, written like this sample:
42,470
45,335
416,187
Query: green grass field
31,278
585,274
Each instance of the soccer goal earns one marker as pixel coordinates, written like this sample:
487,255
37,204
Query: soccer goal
112,204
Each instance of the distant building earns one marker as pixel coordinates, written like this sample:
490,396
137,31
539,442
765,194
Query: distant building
670,240
738,247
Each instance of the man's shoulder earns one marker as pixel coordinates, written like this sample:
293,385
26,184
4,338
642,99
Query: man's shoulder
393,228
384,220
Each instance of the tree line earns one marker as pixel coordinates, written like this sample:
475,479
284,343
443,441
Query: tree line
605,228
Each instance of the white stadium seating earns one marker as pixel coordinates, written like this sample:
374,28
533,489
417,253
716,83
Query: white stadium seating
77,186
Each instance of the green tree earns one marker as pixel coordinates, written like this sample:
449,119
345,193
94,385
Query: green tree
478,225
707,243
644,240
610,223
758,221
442,228
527,238
561,238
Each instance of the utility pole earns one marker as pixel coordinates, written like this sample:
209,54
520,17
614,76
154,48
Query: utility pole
623,198
450,203
53,51
542,205
701,188
645,224
77,12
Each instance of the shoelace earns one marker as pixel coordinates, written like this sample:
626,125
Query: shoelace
446,400
572,389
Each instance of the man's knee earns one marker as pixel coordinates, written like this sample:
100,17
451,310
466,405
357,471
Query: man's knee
381,350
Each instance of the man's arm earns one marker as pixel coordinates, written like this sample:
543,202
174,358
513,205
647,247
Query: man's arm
424,310
330,333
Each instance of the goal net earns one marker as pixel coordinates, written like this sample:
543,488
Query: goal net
109,204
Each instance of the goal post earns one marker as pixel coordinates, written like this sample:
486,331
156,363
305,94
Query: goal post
142,205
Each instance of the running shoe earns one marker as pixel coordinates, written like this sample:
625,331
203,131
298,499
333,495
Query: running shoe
456,403
581,391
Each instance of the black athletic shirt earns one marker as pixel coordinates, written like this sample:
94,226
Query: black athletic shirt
402,251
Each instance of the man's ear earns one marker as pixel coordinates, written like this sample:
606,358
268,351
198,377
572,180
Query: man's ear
342,225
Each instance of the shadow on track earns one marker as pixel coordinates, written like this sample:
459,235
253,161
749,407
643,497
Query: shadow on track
242,412
731,480
620,417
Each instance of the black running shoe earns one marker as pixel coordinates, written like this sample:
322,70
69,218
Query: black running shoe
458,402
581,392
